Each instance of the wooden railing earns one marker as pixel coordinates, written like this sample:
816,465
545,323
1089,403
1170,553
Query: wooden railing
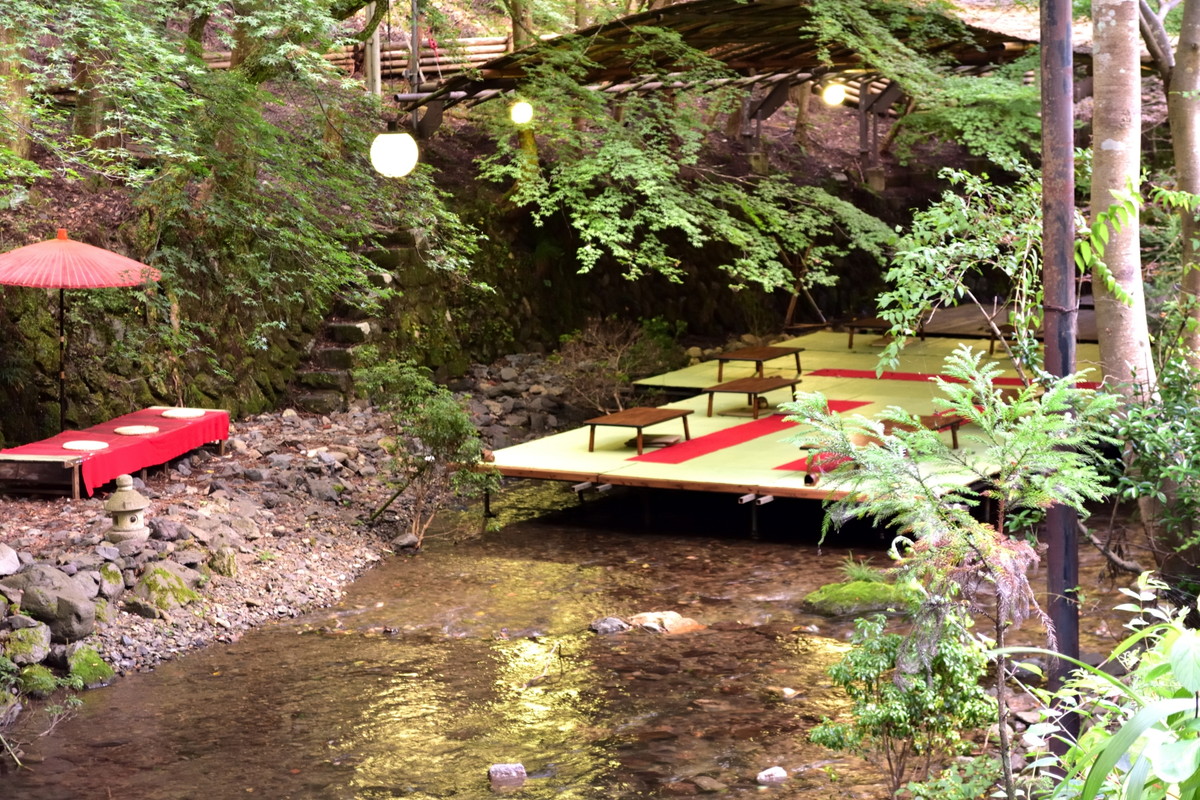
438,59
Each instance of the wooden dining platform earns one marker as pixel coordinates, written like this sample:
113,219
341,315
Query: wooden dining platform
80,461
731,452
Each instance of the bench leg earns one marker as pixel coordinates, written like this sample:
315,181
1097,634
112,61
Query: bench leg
686,434
754,404
639,430
592,439
850,342
710,401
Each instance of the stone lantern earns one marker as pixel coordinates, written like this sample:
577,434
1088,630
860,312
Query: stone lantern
126,506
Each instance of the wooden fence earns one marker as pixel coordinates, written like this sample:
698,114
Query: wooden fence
438,60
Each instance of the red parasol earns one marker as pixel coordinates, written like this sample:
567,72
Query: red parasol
65,264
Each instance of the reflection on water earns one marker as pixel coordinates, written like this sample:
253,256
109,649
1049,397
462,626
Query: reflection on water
477,652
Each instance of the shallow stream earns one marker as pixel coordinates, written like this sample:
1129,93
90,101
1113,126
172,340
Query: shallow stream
477,652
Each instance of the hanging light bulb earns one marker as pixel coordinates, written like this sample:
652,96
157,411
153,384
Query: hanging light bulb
520,112
394,155
833,94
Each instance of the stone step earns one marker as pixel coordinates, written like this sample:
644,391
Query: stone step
334,380
352,332
333,358
321,402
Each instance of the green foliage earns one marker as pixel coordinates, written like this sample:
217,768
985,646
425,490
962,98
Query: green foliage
1162,453
626,175
1089,250
1141,739
912,697
979,229
439,454
597,363
856,570
996,116
968,780
1024,451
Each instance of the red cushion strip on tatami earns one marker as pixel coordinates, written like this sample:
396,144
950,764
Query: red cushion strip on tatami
719,440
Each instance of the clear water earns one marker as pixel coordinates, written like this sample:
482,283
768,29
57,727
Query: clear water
477,652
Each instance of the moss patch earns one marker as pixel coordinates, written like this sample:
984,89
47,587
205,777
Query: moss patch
164,590
856,597
36,681
87,667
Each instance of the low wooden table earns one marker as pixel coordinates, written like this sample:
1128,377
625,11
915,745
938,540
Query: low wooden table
751,387
638,418
874,324
758,355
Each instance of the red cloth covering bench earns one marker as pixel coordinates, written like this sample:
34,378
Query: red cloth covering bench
123,453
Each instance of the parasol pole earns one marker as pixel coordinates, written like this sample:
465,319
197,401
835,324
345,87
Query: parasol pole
62,365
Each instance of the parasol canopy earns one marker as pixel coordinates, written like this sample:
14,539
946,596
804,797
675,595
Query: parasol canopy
62,263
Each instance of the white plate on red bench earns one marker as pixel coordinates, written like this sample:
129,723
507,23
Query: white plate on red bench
84,444
135,430
183,413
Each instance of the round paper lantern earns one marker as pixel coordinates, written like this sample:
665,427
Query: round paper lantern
833,94
394,155
520,112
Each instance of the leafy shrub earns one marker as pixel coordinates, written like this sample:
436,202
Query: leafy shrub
439,453
912,697
598,362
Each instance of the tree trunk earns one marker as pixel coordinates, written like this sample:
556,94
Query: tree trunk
1116,146
14,98
1183,110
521,12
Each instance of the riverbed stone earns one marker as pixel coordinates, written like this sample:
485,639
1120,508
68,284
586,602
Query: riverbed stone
49,595
164,587
665,622
509,775
112,583
28,645
609,625
10,562
772,775
223,561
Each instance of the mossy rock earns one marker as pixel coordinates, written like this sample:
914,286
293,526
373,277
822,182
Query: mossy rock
161,588
36,680
857,597
87,667
28,646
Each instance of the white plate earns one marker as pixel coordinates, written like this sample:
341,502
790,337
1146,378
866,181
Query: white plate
135,430
183,413
84,444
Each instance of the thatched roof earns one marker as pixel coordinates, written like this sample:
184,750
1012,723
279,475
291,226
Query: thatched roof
763,41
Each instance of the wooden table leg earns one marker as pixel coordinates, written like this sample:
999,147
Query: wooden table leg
850,343
75,482
592,439
954,434
686,434
754,404
720,370
761,368
639,430
710,401
797,355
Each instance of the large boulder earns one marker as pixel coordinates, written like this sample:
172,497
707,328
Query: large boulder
858,597
164,587
51,596
27,645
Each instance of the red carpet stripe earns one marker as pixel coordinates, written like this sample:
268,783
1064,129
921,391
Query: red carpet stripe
719,440
919,376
